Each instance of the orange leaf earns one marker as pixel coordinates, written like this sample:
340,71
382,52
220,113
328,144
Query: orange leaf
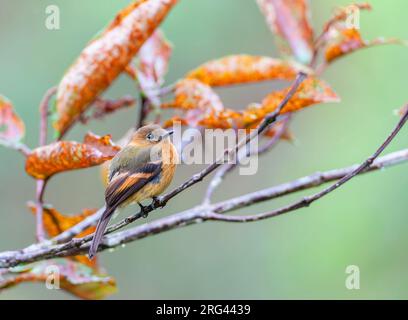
311,91
75,278
56,223
192,94
346,41
60,156
154,57
341,39
196,97
343,13
106,57
290,20
12,128
237,69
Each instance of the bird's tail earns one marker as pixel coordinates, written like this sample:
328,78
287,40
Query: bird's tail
100,230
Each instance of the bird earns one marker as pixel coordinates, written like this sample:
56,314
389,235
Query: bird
143,169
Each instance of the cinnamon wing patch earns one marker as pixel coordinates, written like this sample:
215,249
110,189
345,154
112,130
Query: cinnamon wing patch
127,183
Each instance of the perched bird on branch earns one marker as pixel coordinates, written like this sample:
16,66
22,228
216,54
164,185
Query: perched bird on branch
143,169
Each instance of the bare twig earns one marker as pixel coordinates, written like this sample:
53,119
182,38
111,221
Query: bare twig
270,118
162,201
44,111
104,107
18,146
47,250
306,201
41,184
39,204
228,167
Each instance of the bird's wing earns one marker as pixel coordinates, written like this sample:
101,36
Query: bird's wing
126,183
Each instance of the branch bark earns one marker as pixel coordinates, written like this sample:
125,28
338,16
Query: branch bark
41,184
49,250
228,167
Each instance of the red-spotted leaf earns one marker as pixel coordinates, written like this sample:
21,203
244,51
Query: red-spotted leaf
236,69
154,58
12,128
75,278
61,156
106,57
289,19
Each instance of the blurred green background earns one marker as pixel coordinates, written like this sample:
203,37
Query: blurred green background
299,255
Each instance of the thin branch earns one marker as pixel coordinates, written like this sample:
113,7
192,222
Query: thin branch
39,204
79,227
18,146
48,250
227,154
229,167
161,201
213,212
104,107
306,201
44,111
41,184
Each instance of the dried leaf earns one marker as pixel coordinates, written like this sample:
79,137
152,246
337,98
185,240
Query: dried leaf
154,58
346,41
106,57
312,91
56,223
341,38
75,278
236,69
12,128
61,156
192,94
342,13
197,98
289,19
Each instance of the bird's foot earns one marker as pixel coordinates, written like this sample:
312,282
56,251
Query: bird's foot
143,209
157,202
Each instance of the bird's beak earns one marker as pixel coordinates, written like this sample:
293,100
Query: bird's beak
167,134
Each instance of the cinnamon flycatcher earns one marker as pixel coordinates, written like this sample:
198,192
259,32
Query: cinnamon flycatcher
142,169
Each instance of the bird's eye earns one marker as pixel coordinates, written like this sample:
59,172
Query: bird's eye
149,136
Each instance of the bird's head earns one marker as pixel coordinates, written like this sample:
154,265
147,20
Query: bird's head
150,135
